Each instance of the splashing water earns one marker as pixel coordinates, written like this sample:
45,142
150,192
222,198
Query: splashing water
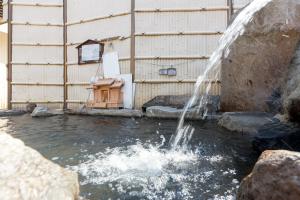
145,170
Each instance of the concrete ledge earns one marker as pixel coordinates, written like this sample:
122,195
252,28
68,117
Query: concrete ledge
7,113
106,112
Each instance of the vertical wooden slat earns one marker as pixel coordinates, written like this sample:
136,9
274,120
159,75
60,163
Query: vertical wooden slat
132,43
9,55
65,73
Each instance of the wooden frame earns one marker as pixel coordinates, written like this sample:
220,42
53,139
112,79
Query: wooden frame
90,42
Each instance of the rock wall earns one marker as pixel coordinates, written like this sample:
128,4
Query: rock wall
275,176
254,72
25,174
292,89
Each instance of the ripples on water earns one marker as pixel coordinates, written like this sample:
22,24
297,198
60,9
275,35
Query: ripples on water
130,159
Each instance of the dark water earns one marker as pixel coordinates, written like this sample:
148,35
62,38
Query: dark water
124,158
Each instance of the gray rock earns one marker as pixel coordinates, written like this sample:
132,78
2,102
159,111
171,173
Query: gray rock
26,174
30,107
292,89
107,112
246,122
174,113
45,112
276,175
254,66
6,113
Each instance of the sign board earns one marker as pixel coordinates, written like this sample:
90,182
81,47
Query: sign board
90,52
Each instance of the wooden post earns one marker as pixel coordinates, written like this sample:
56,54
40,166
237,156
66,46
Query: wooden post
65,38
132,43
9,55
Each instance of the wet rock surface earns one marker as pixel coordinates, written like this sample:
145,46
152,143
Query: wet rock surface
245,122
45,112
107,112
276,175
174,113
25,174
277,135
255,66
6,113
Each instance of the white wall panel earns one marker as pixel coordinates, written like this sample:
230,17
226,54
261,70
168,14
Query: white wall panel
37,93
82,10
37,34
101,29
24,51
37,54
163,4
185,45
37,74
78,93
83,73
181,21
34,14
186,69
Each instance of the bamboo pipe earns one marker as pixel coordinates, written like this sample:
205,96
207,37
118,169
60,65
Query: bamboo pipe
36,24
37,84
177,33
183,10
34,4
98,18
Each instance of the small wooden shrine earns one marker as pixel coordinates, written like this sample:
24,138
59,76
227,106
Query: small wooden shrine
107,94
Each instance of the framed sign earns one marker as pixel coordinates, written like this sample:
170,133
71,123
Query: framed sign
90,51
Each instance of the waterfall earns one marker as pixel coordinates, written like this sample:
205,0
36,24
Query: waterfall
184,132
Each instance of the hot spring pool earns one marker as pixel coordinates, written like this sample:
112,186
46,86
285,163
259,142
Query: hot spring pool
124,158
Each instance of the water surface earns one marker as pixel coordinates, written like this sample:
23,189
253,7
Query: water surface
127,158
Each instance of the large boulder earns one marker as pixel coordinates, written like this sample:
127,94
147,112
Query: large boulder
248,122
25,174
292,90
254,66
276,175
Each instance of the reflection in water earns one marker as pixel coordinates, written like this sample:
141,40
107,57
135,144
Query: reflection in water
122,158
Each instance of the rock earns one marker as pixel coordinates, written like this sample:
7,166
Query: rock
277,135
6,113
255,65
25,174
276,176
45,112
30,107
292,89
174,113
106,112
245,122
